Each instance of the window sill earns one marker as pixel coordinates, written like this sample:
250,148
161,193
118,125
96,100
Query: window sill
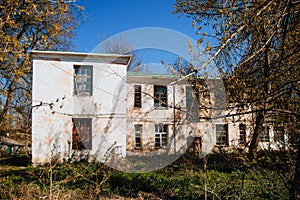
160,108
82,96
163,148
221,145
137,108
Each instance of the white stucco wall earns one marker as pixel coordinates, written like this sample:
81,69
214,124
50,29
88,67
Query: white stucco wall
54,105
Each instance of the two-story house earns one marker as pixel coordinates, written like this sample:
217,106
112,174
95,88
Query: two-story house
89,105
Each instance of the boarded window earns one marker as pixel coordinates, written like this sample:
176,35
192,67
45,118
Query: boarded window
222,134
82,133
242,128
138,136
137,96
160,96
264,135
161,135
83,80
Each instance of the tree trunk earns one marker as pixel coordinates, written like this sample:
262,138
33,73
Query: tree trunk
262,113
295,190
255,137
8,100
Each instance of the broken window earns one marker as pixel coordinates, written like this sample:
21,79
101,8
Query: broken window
82,133
137,96
83,80
161,135
160,96
222,134
264,135
242,134
138,136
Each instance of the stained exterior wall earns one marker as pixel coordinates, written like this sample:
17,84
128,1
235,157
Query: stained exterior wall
148,116
113,114
55,105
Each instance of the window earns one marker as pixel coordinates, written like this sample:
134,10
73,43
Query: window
160,96
137,96
242,134
82,133
161,135
264,136
278,134
83,80
192,106
138,136
293,140
222,134
194,145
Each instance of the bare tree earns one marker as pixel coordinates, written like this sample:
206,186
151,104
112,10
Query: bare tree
120,45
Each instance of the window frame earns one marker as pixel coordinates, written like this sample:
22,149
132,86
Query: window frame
222,134
158,102
137,103
242,133
195,144
161,136
138,136
264,135
79,78
192,105
77,142
278,137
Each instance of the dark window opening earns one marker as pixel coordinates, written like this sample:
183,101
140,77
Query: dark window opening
137,96
82,134
160,96
138,136
194,145
192,105
242,128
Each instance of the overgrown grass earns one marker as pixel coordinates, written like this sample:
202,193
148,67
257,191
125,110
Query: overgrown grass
184,179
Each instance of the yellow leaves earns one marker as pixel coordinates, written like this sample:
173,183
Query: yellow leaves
56,26
44,38
7,38
194,24
199,42
190,47
208,47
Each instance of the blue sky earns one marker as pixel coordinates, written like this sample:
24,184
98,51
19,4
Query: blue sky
107,18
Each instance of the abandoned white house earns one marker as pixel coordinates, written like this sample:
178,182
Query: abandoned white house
86,103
